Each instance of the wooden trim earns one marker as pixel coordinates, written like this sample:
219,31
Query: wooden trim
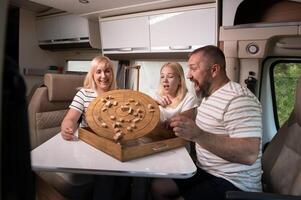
44,191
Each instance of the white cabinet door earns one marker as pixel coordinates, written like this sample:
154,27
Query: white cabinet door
125,35
183,31
74,26
65,27
48,29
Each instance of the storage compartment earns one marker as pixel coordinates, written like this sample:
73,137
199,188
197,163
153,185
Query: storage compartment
67,31
183,31
129,35
172,30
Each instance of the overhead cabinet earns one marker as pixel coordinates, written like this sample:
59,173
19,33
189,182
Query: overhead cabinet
172,30
182,31
67,31
125,35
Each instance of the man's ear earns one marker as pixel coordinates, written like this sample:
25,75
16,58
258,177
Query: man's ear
215,70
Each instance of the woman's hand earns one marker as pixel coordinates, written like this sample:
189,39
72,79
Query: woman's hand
69,124
67,132
163,100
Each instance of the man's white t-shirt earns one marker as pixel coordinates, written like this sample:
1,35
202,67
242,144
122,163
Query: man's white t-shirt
232,110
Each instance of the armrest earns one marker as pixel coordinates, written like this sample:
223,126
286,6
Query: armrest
239,195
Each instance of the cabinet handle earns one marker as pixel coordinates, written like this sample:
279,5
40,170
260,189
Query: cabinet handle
179,47
125,49
67,40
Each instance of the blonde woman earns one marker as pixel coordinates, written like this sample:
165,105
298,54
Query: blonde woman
172,95
99,79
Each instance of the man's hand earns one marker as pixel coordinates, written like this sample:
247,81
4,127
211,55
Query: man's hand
185,128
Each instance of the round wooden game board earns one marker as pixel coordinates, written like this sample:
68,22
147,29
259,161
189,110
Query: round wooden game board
123,115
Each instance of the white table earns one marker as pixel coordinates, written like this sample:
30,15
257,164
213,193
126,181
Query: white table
60,155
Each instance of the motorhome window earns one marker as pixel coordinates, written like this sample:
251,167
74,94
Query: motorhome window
78,65
150,83
285,75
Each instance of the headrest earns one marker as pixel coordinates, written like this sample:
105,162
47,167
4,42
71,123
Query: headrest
62,87
298,105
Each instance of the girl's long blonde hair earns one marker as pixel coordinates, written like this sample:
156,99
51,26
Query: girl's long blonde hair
89,82
182,89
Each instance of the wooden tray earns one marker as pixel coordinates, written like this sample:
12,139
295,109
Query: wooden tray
124,124
123,115
131,149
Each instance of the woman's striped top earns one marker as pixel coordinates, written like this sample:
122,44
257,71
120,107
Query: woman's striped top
81,101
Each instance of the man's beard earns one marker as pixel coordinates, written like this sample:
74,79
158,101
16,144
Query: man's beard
203,91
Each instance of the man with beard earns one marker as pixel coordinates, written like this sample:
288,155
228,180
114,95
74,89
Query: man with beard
227,134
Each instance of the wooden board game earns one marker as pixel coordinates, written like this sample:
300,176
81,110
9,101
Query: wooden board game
123,115
125,125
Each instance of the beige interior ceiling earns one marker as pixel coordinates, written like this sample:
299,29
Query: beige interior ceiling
105,8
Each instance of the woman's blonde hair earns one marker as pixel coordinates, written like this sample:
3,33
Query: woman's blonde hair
182,89
89,82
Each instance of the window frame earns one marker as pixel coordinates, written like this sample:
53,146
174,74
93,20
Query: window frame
267,94
272,68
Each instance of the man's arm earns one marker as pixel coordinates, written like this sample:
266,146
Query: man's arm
238,150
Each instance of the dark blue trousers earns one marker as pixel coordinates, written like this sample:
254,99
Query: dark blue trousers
204,186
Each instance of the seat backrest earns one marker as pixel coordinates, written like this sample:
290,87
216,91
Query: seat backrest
281,160
49,105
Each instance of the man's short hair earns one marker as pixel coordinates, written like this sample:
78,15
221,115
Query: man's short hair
212,54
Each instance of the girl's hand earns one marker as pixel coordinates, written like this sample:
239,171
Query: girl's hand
163,100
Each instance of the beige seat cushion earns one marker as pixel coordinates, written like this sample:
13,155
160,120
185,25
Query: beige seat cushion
282,159
62,87
47,109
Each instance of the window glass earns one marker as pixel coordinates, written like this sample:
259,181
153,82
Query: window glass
285,76
83,66
150,84
78,65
